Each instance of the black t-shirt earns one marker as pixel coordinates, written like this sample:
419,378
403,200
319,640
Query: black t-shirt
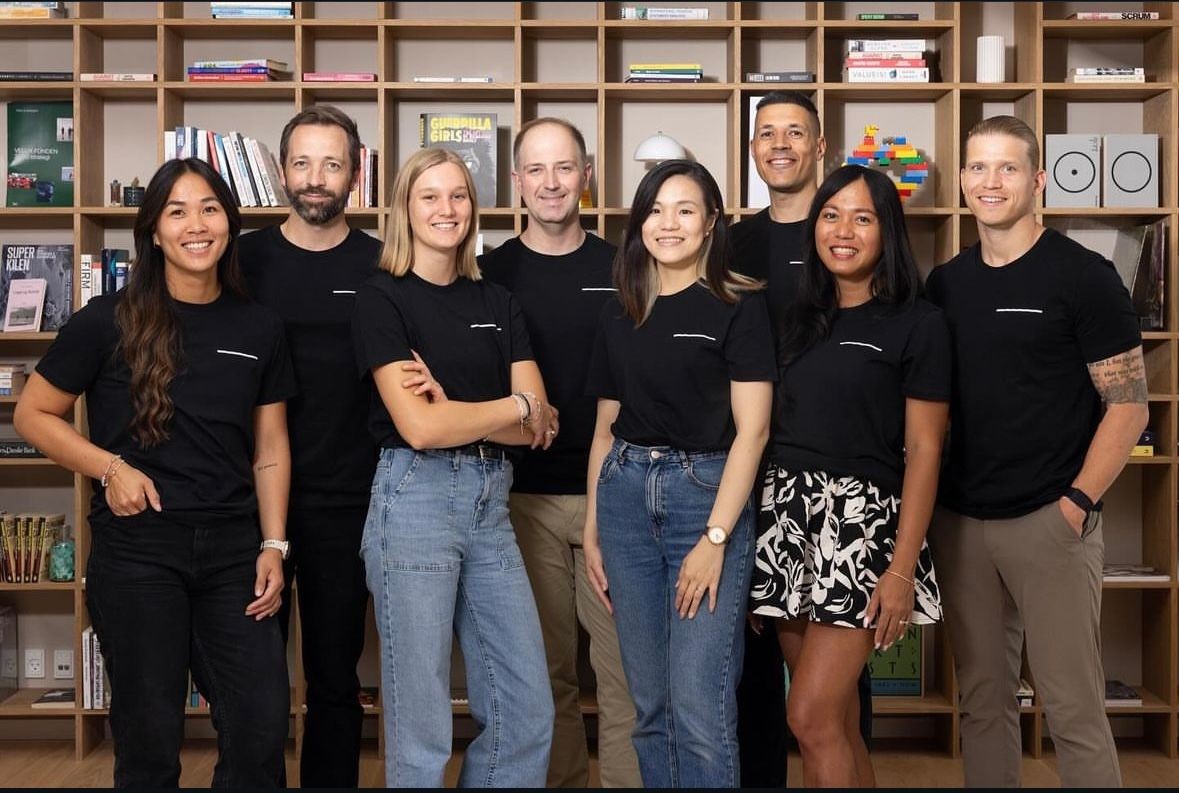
562,298
841,404
771,252
1024,409
469,333
673,373
332,453
234,359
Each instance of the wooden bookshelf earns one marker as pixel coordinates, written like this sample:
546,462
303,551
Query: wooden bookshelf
570,59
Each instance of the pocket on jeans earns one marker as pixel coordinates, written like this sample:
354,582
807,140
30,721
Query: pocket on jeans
610,465
399,474
706,473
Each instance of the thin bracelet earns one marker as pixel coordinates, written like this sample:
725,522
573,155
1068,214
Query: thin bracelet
529,397
112,468
908,581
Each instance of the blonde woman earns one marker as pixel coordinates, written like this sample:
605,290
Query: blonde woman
439,549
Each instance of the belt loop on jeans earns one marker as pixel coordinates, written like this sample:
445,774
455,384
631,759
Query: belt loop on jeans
622,447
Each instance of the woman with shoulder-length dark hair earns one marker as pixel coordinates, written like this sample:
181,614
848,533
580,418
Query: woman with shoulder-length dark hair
185,381
682,368
859,417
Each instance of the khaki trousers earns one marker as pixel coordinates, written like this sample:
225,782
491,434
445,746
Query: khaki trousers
548,531
1029,577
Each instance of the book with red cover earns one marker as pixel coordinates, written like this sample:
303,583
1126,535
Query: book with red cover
339,77
230,78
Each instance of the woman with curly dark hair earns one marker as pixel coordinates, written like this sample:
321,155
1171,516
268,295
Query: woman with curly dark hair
185,381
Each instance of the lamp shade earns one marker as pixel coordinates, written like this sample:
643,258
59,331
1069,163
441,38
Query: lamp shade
660,147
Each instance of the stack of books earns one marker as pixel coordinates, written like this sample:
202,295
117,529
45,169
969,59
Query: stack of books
665,73
885,61
249,70
48,10
12,378
1106,74
664,13
247,165
252,10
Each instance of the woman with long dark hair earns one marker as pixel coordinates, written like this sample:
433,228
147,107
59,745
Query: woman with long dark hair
185,381
439,549
682,368
859,417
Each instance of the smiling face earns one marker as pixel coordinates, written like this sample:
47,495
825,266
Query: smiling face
847,234
550,175
317,174
999,181
786,147
678,224
439,209
193,230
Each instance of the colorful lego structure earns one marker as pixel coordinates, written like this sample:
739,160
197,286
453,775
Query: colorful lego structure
892,150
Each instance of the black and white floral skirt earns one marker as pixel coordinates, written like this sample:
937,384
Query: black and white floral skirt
824,541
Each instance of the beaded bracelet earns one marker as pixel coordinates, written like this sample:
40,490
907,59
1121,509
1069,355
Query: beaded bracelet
112,468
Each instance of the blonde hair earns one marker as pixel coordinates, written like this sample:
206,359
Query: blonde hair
397,253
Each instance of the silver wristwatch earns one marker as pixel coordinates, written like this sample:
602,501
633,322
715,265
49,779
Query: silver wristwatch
282,546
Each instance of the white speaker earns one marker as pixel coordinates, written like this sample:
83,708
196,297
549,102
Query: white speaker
1131,171
1073,163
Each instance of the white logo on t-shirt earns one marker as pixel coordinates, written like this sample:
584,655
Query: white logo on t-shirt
860,344
1019,311
239,354
487,325
692,336
598,289
343,291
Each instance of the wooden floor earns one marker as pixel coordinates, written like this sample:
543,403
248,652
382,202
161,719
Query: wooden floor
52,764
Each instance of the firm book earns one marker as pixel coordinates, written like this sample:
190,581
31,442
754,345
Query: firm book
1115,16
663,13
779,77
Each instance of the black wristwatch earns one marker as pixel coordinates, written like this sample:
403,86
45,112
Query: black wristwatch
1078,497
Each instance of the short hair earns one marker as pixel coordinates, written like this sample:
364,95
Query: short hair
568,126
1011,126
397,252
328,116
792,98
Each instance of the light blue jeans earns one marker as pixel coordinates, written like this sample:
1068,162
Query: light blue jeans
653,505
441,560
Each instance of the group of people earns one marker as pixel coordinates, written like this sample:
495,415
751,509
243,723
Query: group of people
714,448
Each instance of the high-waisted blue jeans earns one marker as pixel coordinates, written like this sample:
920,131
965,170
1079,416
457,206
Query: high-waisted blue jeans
653,505
441,560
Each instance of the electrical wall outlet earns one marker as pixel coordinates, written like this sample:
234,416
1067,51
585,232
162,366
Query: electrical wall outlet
34,663
63,664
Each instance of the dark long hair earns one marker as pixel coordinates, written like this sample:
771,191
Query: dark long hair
149,332
895,280
634,272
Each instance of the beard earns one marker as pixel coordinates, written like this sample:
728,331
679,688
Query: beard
318,214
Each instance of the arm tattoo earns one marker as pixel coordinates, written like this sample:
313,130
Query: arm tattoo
1120,379
264,466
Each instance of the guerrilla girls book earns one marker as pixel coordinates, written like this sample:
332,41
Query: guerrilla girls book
472,136
54,264
40,154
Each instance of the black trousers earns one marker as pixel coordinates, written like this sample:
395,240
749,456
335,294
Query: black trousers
165,598
333,601
762,733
